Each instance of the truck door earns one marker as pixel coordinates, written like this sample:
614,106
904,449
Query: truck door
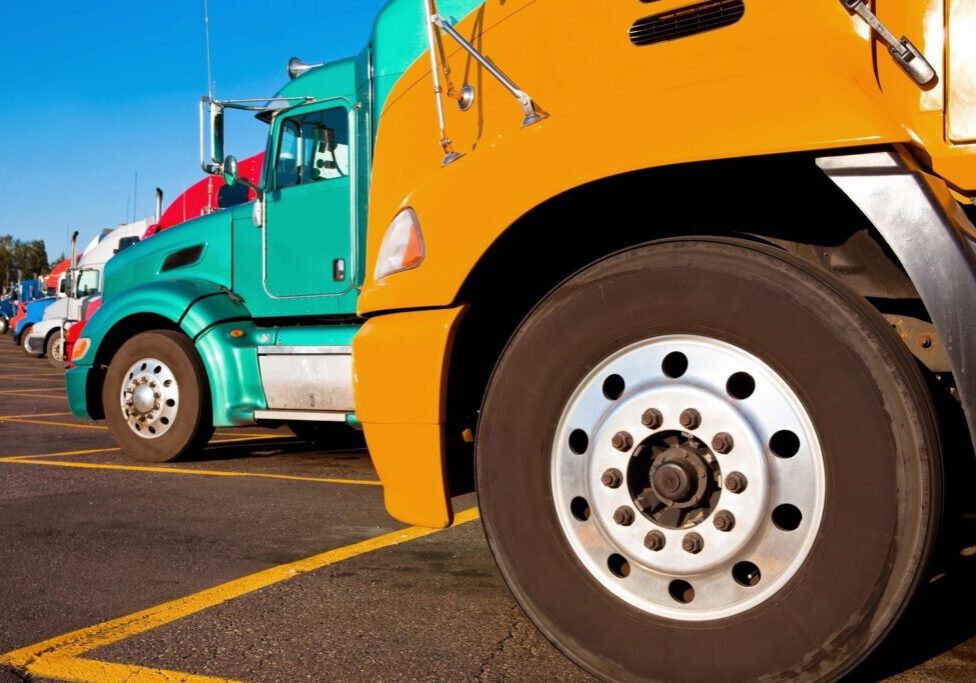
308,231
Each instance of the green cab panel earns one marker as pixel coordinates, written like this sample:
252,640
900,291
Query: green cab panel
231,361
199,249
314,335
168,299
309,208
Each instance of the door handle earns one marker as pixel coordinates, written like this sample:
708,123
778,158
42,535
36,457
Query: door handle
339,269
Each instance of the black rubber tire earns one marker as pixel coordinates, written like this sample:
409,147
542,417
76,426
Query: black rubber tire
193,426
865,396
24,334
331,435
54,338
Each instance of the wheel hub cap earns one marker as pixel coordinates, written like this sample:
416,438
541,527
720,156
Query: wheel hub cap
143,399
149,398
696,548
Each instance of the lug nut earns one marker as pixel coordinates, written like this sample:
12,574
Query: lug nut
612,478
690,418
623,515
622,441
724,521
736,482
692,543
652,418
654,541
722,443
152,383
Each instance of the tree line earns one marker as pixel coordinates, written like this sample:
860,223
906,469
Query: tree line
26,257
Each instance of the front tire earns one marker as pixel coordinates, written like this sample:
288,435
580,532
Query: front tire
54,350
24,336
156,397
777,532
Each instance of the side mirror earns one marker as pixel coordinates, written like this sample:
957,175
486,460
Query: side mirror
232,176
210,159
229,168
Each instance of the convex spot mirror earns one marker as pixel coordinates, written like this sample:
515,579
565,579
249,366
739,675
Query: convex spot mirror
230,170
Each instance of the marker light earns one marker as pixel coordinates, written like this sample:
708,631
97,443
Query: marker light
80,349
402,247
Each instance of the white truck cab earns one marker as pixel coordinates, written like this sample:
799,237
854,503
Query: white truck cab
46,336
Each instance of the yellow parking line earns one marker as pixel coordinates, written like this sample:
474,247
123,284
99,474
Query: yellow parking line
53,658
86,670
30,393
30,460
60,453
31,415
52,423
89,451
34,375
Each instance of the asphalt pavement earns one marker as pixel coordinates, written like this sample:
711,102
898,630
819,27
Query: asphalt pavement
265,558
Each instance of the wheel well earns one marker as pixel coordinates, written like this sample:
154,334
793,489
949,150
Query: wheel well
111,343
783,200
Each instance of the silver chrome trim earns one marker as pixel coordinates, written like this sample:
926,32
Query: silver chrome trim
930,234
300,415
305,350
908,57
530,112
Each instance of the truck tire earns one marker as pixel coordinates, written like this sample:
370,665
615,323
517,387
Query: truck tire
705,460
156,397
54,350
24,336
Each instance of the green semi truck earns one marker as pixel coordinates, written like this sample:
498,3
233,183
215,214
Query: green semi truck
247,315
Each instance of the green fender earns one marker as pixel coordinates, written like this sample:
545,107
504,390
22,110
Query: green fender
206,313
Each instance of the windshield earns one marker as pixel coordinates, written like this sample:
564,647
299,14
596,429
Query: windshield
87,282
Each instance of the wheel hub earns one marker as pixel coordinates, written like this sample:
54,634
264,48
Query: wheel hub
705,541
143,399
149,398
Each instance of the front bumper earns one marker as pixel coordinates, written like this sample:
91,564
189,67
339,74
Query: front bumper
400,365
76,380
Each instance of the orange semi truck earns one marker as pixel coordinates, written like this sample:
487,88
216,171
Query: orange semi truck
700,304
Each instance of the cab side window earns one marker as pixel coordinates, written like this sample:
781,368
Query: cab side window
314,148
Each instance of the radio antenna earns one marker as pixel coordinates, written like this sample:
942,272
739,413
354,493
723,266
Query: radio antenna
206,30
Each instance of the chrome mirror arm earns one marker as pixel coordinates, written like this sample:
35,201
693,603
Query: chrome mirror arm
531,113
449,154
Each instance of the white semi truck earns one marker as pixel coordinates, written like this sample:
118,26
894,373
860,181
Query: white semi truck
47,336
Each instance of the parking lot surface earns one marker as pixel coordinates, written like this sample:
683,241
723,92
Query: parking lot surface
264,558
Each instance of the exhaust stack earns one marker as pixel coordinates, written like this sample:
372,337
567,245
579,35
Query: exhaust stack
159,205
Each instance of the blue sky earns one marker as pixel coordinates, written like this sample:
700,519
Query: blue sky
96,91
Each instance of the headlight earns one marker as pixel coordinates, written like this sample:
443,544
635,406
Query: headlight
402,247
80,349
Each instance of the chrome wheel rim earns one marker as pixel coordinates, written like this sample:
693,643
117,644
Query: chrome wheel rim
150,398
57,348
688,477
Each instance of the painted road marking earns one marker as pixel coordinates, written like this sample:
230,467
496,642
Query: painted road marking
31,393
47,378
71,425
35,460
84,669
32,415
56,657
89,451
